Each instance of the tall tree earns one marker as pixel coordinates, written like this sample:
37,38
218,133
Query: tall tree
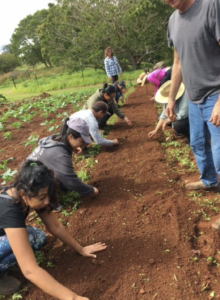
25,40
77,31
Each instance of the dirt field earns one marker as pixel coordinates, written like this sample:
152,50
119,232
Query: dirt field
160,244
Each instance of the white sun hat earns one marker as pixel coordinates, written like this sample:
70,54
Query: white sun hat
162,94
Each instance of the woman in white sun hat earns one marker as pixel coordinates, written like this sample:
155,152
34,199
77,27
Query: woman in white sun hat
181,123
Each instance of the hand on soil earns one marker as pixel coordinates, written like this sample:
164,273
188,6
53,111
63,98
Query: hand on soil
96,191
128,122
89,250
115,142
150,134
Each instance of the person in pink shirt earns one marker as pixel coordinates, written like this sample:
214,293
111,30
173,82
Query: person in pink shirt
155,77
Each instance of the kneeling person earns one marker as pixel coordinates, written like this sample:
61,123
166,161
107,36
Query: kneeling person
181,123
90,117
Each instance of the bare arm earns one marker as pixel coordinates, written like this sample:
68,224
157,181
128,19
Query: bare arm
23,252
58,230
158,127
176,80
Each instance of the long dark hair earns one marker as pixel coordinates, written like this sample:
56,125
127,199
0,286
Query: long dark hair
108,89
33,176
65,131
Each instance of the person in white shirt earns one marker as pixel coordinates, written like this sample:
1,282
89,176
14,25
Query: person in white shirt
90,116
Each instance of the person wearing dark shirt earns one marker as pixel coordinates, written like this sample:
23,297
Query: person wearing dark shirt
34,188
56,153
106,94
119,86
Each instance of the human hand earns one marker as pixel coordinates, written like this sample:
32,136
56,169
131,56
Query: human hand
110,78
78,150
89,250
115,142
152,133
96,191
168,121
170,112
128,121
215,117
122,99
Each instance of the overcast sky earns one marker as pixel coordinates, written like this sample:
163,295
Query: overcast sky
13,11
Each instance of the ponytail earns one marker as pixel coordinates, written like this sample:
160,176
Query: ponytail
65,130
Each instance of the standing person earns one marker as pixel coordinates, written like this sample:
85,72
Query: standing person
181,123
91,117
34,188
119,86
56,153
112,66
106,94
196,59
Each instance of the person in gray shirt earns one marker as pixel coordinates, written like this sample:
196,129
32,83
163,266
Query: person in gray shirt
90,116
194,32
56,151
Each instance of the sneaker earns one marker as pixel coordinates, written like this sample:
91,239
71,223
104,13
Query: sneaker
199,185
9,285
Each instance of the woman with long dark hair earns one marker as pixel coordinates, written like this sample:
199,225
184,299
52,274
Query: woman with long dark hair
34,188
56,153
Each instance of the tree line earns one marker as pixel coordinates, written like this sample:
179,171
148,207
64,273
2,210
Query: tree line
74,33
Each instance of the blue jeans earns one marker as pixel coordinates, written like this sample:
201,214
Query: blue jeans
117,96
205,140
37,239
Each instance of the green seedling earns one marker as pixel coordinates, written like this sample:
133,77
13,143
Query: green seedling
50,265
83,175
4,163
7,135
16,296
1,126
39,257
211,261
8,175
16,125
32,140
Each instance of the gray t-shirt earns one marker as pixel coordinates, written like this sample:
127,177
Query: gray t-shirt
195,35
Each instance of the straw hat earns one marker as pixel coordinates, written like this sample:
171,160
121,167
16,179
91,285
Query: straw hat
159,65
162,94
144,79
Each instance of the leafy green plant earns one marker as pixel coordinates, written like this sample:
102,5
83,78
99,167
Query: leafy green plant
4,163
1,126
83,175
17,125
8,175
7,135
39,257
32,140
94,150
50,265
16,296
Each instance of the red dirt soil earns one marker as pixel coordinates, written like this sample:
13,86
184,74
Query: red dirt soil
142,213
